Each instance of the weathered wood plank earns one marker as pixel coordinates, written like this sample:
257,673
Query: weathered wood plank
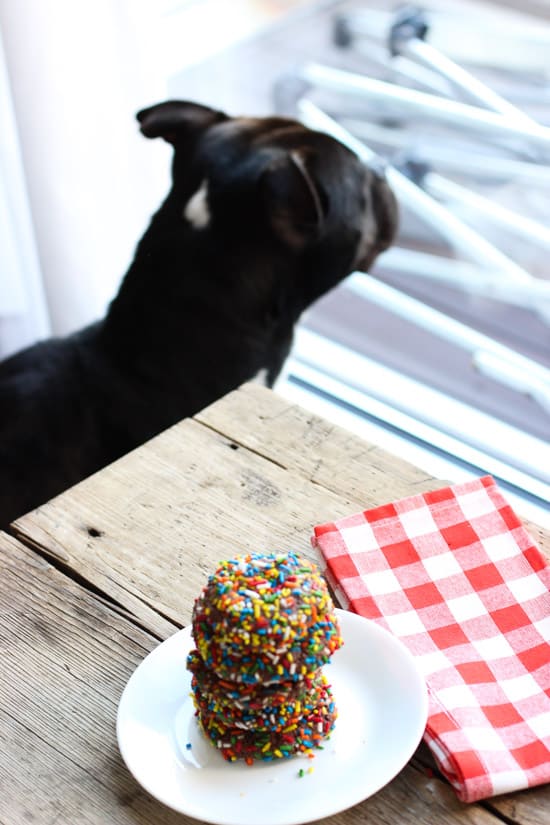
44,539
526,808
66,657
329,455
148,529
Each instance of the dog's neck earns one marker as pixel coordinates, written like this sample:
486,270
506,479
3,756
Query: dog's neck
176,268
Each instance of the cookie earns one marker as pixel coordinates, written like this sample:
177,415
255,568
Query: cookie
265,619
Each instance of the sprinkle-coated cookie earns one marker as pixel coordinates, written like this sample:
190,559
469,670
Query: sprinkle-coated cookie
264,625
265,619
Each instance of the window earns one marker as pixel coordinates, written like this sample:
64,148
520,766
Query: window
442,352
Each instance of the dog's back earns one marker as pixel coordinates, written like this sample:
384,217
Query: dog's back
263,217
47,435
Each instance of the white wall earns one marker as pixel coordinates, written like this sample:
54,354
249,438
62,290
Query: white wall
78,73
23,314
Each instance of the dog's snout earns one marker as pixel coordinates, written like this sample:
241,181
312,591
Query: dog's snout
386,211
384,203
381,218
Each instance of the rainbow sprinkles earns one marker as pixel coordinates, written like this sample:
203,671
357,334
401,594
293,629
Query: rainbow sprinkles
264,626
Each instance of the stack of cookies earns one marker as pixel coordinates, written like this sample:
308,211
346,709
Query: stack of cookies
264,626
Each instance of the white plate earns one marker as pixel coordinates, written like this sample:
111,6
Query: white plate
382,710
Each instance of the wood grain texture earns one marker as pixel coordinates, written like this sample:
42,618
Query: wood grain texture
250,473
165,515
66,657
328,455
530,807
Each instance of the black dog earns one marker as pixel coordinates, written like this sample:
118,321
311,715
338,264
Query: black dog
263,217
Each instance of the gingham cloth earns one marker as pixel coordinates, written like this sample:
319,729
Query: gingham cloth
454,574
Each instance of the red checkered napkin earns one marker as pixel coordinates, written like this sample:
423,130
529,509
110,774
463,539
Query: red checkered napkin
457,578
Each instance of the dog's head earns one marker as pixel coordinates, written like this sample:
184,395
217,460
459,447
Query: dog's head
277,189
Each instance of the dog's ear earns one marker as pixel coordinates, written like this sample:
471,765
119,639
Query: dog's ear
175,120
295,202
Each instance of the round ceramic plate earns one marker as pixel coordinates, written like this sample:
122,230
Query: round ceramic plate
382,710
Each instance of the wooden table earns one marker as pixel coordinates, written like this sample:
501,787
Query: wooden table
93,580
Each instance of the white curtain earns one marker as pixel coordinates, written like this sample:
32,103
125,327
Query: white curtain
23,315
76,73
